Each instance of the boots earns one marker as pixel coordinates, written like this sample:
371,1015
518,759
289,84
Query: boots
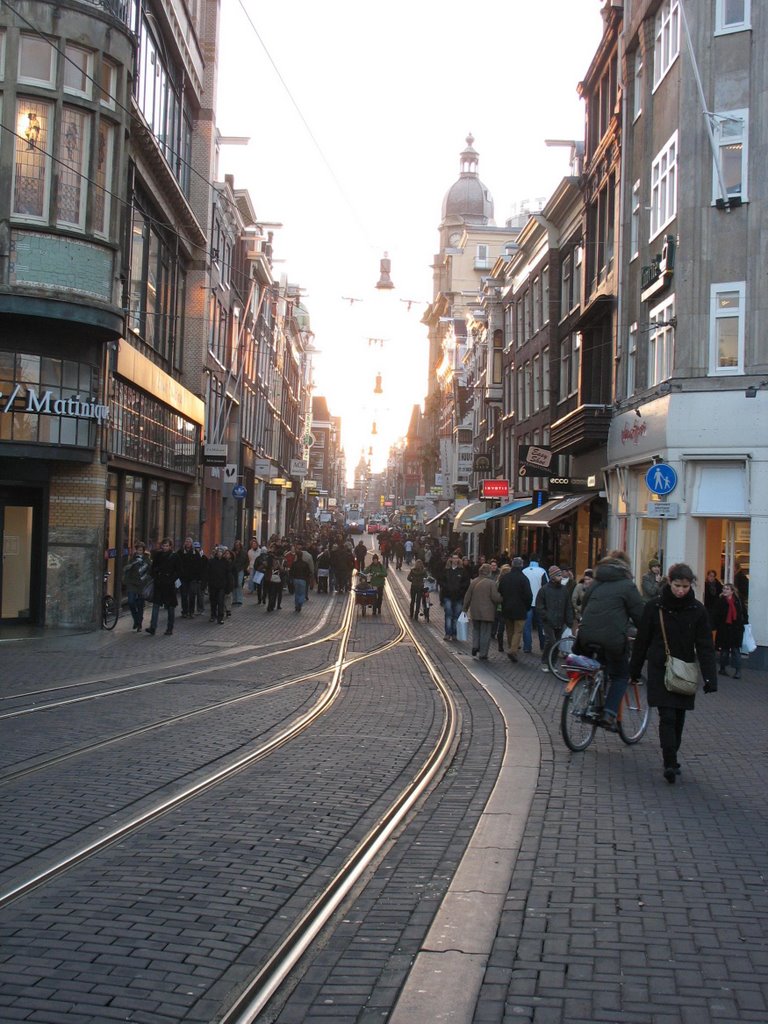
670,766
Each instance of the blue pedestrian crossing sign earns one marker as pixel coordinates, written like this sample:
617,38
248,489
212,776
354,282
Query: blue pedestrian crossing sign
661,479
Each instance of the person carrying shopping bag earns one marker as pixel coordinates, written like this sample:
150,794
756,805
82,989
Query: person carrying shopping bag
480,602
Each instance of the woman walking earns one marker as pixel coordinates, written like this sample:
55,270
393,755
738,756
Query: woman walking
377,576
417,578
728,620
240,559
480,603
677,614
135,578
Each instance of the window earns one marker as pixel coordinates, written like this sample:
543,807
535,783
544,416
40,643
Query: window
634,225
73,148
726,328
536,303
527,390
526,315
667,41
156,281
565,287
631,360
570,359
2,54
536,382
32,165
637,82
578,255
545,295
102,193
732,16
78,71
108,84
731,132
661,342
664,187
497,367
483,257
37,61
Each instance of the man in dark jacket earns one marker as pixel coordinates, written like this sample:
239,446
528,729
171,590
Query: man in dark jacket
610,604
165,572
555,611
454,581
517,598
301,575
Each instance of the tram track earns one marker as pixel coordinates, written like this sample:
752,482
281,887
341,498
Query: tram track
267,980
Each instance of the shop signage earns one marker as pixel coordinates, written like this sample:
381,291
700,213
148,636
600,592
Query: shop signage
239,491
662,510
215,454
46,403
298,467
494,489
308,440
481,464
570,483
262,467
534,461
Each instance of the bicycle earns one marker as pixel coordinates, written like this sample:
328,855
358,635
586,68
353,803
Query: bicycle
109,610
584,702
558,656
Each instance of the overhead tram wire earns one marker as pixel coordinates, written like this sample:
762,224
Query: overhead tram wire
334,177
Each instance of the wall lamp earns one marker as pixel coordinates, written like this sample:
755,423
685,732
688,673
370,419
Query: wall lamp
752,390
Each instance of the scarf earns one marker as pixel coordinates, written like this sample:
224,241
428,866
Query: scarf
731,614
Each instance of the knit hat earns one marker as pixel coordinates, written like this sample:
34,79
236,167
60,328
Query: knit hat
654,561
554,572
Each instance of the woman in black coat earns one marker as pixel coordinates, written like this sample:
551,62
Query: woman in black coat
689,637
728,621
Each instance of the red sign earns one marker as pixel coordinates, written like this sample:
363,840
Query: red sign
494,489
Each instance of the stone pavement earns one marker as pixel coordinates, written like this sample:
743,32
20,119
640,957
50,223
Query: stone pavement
629,899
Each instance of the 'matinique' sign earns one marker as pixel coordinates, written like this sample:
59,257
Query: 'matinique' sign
47,403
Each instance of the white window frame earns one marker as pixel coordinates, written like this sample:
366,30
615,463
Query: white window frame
50,81
716,315
731,127
634,223
631,360
666,45
661,342
108,90
545,295
578,259
20,145
723,27
536,381
566,269
2,54
637,85
664,187
87,71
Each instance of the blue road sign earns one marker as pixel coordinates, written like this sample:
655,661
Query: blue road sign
661,479
239,491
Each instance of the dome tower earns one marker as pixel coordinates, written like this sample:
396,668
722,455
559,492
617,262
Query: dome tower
467,201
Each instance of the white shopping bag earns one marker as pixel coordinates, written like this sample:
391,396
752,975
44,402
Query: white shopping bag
462,627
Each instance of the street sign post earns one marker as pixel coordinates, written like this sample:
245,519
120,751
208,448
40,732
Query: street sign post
661,479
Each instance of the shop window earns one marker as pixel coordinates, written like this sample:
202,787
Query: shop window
720,489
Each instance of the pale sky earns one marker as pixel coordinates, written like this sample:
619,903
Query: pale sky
357,113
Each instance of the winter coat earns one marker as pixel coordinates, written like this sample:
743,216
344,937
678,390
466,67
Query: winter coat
608,606
417,579
650,585
166,568
240,560
516,595
136,573
189,561
377,575
481,599
300,570
728,634
220,574
553,605
689,637
454,582
537,577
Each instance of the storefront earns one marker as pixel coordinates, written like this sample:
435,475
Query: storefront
501,523
51,480
153,458
715,513
568,530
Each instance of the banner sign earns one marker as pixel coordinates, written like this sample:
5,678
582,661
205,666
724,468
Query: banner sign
534,461
494,489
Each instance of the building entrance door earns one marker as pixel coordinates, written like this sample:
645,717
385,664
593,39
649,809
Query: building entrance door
20,576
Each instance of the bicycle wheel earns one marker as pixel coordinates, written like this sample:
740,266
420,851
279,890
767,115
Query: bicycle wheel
577,731
109,612
556,658
634,713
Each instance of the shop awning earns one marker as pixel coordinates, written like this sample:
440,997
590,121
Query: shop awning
551,511
462,523
503,510
440,515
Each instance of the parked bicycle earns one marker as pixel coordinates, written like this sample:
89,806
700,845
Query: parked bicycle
584,701
109,609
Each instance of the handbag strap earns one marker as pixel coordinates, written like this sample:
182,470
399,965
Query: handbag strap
664,633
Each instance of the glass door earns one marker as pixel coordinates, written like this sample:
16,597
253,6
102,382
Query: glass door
20,578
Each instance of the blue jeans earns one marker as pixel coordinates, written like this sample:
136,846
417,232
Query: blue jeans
299,593
171,609
136,606
531,620
617,667
237,593
452,607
